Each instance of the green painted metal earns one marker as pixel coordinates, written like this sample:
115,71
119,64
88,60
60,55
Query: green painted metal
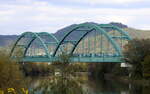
42,42
80,40
58,46
56,40
75,59
79,58
124,35
34,35
70,41
51,36
116,28
22,35
96,27
28,46
41,34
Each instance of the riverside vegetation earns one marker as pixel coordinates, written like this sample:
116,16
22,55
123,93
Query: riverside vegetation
137,54
11,75
15,74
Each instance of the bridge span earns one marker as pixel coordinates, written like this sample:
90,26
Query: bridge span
85,43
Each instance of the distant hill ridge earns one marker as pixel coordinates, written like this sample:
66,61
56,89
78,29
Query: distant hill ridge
6,40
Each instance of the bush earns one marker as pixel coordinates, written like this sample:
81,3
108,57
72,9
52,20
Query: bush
11,75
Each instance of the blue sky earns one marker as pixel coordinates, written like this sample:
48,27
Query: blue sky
17,16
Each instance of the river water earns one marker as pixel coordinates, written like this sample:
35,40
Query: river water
101,86
114,87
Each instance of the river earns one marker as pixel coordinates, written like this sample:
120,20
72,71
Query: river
101,86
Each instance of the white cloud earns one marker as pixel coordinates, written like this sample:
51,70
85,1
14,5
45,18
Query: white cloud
106,1
37,16
115,1
5,16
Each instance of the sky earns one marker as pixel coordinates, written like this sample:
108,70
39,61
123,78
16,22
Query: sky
18,16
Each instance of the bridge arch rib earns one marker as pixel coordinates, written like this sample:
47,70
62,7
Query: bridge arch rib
33,37
43,34
92,27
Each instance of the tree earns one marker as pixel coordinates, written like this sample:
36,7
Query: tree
135,52
146,67
11,75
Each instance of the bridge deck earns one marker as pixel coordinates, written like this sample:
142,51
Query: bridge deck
75,59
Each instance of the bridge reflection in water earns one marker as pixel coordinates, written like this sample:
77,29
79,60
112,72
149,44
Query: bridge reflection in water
85,43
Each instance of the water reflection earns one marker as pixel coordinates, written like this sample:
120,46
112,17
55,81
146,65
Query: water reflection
59,85
76,85
65,80
115,87
104,86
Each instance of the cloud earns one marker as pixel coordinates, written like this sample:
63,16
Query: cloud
40,16
106,1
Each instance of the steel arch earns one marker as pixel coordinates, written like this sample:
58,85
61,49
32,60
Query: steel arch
15,44
35,35
50,35
103,25
41,34
93,26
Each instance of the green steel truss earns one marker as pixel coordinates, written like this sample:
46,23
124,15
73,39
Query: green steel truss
76,57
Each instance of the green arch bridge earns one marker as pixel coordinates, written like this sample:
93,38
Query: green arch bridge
85,43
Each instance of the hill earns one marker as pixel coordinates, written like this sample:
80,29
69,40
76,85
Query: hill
6,40
139,34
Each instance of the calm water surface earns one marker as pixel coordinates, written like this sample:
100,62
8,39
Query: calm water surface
107,87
